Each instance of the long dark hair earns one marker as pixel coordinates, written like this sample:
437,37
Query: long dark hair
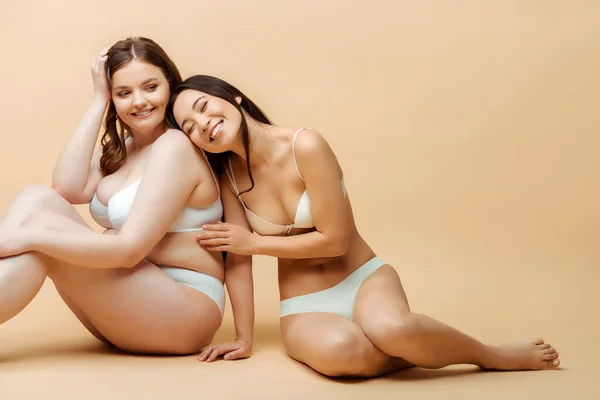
219,88
120,54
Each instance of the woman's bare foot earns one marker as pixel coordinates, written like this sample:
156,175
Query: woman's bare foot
529,354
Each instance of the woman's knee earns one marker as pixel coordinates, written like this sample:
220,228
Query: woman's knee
37,218
35,194
341,353
29,199
385,328
53,218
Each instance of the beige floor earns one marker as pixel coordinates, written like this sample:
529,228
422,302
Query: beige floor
45,353
468,135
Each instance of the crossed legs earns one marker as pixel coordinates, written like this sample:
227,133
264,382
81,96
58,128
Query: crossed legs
139,310
385,335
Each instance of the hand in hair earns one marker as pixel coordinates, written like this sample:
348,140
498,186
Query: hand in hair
101,86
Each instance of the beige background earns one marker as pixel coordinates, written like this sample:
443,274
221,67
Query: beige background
468,134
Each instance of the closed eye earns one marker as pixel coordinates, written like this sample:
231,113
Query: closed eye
189,132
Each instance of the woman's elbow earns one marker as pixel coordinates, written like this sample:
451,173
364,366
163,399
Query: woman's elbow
67,193
339,246
130,260
131,255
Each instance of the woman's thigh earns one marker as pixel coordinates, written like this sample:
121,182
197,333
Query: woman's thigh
381,306
26,273
81,316
139,309
335,346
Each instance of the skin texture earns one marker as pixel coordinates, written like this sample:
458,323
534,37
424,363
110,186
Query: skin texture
41,234
384,334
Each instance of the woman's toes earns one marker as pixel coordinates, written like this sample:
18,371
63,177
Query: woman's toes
545,346
538,341
548,357
551,350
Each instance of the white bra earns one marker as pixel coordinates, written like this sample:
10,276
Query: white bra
114,214
303,217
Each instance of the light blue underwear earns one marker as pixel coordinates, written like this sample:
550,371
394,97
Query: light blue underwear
209,285
338,299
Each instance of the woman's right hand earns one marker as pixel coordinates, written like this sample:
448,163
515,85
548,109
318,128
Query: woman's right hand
230,351
101,87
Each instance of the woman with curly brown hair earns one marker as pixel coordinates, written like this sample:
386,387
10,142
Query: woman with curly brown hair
143,285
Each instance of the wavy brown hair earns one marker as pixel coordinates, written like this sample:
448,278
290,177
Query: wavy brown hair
120,54
219,88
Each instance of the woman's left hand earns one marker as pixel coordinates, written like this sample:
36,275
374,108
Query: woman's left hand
14,241
225,236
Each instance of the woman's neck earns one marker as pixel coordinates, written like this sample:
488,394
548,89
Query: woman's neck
261,142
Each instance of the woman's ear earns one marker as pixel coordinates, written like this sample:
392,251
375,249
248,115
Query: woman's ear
238,99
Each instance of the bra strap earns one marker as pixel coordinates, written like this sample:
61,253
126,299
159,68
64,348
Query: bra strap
294,153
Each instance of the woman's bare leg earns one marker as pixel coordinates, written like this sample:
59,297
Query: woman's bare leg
383,313
139,309
335,346
22,276
85,321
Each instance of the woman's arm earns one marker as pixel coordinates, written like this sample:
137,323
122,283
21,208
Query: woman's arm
330,212
76,173
238,270
240,287
171,173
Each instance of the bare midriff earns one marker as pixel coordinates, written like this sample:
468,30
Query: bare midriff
303,276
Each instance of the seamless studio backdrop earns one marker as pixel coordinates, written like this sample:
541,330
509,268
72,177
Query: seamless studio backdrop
468,136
